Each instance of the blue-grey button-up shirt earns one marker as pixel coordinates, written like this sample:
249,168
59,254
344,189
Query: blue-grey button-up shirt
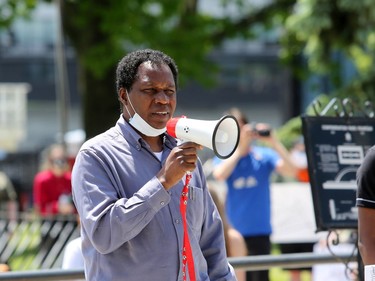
131,227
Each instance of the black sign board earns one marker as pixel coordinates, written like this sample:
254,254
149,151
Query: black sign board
335,148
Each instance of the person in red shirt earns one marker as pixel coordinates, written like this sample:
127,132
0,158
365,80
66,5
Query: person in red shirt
298,154
52,185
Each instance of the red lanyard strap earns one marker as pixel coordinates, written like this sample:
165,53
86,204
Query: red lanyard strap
187,254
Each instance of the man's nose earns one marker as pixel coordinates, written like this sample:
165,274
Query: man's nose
162,97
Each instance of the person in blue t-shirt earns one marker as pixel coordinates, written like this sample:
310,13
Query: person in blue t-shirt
247,174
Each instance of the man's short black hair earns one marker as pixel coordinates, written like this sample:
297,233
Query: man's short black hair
127,68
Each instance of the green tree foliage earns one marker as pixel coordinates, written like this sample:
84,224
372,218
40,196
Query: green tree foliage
316,34
11,9
292,130
324,32
103,31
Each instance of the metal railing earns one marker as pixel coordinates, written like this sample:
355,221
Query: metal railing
249,263
30,242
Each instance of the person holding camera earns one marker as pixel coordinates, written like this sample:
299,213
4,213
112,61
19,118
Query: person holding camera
248,174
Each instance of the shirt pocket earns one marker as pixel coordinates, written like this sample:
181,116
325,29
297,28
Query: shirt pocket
195,209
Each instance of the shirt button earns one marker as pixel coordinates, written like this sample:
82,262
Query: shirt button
138,147
177,221
162,203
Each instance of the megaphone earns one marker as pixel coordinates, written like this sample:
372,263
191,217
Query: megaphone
222,136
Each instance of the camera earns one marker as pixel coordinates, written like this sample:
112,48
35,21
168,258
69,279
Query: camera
263,132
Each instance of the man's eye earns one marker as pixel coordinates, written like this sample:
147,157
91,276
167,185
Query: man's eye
152,91
169,92
149,91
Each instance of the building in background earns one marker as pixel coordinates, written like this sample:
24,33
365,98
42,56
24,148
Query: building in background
27,55
13,110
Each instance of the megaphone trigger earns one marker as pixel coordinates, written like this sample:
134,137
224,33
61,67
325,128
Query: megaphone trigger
222,136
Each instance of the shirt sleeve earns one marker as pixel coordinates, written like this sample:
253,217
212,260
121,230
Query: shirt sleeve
108,220
366,181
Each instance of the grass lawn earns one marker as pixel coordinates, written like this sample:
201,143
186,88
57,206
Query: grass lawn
279,274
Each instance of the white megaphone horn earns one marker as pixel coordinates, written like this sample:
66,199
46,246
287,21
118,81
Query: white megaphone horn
222,136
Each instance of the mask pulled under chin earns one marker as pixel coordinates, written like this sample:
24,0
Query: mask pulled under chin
142,126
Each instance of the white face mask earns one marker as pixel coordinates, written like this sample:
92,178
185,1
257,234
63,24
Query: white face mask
141,125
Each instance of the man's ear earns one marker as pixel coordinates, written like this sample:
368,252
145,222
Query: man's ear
122,97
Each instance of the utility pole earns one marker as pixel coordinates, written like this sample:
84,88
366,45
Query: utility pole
61,77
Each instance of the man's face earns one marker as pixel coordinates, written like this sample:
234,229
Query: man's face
153,94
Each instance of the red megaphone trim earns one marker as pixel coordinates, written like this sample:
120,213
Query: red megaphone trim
171,126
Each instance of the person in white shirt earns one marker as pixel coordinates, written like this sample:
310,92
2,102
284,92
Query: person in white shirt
73,258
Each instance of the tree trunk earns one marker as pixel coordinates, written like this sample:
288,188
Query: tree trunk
101,108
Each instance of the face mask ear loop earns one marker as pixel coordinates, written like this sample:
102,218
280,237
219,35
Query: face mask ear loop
126,107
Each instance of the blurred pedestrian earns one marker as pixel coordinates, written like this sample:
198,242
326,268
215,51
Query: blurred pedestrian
299,157
247,174
234,242
52,190
7,190
8,196
73,257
